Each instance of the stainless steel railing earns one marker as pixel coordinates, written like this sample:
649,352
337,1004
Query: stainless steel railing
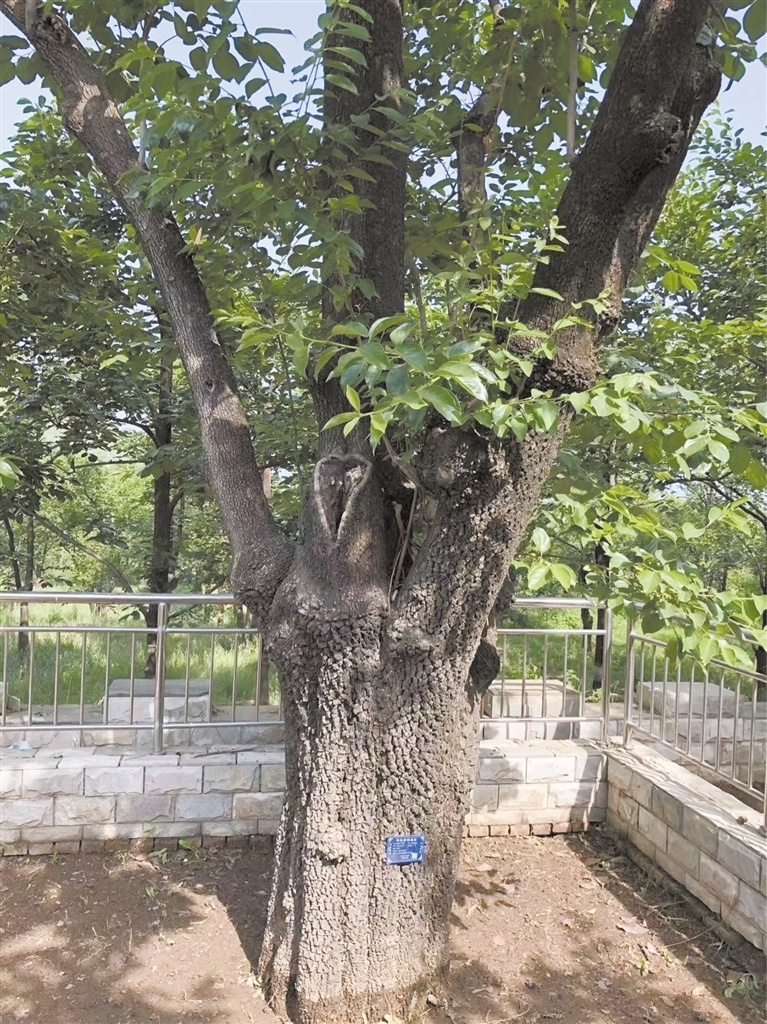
546,683
713,717
58,669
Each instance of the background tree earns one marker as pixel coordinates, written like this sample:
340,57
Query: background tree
442,377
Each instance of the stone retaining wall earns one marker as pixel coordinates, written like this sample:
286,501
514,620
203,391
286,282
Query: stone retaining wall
55,802
707,840
83,798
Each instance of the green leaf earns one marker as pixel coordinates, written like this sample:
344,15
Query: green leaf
198,58
755,20
548,292
375,353
443,401
9,474
740,457
564,575
401,334
384,323
671,281
707,649
353,398
342,82
720,451
377,428
537,574
691,532
540,540
270,55
397,379
352,329
466,376
348,28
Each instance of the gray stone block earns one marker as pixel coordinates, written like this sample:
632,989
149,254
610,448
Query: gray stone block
204,807
206,758
111,781
230,778
113,830
83,810
268,826
272,778
642,842
670,866
18,849
513,795
183,779
67,847
484,798
752,905
701,832
10,782
684,853
242,827
668,808
618,774
52,781
18,813
52,833
500,769
653,828
590,766
746,927
172,829
550,769
9,835
260,757
577,794
718,880
742,860
141,760
144,807
641,789
257,805
628,809
40,849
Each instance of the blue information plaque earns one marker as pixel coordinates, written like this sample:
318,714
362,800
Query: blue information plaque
405,849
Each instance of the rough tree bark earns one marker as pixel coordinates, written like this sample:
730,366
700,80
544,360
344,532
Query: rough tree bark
381,694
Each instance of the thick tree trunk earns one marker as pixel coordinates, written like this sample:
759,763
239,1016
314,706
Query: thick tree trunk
381,723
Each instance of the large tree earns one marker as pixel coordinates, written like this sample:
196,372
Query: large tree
379,615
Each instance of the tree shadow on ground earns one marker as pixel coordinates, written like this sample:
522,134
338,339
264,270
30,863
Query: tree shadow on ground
590,939
558,930
121,939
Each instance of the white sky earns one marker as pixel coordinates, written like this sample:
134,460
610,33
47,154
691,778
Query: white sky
747,98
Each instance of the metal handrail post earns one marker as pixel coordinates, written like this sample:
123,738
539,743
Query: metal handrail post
159,678
607,653
628,693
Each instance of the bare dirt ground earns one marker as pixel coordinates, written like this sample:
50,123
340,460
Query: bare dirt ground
565,929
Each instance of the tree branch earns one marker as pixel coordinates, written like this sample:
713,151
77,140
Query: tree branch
91,115
662,83
68,539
